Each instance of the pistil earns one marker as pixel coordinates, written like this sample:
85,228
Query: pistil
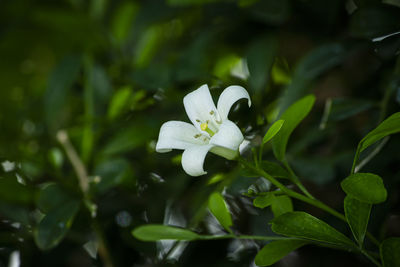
204,127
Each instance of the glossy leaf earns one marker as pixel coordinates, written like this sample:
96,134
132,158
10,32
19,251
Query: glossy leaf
155,232
273,130
281,205
389,126
357,215
276,250
292,117
303,225
55,225
365,187
264,200
219,209
390,249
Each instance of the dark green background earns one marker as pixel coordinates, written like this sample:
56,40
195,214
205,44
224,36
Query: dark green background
111,72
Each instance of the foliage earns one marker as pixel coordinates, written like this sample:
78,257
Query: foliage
86,85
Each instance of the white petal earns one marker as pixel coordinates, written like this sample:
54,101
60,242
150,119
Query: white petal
193,159
198,105
229,136
178,135
229,97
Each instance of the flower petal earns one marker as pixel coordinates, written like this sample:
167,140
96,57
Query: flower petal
178,135
200,107
229,97
193,159
229,136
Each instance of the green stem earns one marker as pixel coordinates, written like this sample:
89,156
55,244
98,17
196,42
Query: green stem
296,180
252,237
366,254
83,179
293,194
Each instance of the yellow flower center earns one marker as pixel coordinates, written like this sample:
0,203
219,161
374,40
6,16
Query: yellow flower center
204,127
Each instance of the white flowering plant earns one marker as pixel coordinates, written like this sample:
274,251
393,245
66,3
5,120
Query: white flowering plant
211,130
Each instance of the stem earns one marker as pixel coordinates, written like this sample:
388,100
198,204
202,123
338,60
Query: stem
372,154
366,254
293,194
296,179
252,237
79,167
81,173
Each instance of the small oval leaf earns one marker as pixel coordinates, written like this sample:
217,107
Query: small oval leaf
390,249
357,215
281,205
55,225
303,225
276,250
264,201
273,130
219,209
155,232
365,187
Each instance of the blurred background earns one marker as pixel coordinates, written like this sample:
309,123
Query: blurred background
86,84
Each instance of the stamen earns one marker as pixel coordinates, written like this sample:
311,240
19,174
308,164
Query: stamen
204,127
197,120
197,135
212,112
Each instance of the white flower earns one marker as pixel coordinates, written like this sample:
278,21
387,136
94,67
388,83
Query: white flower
211,130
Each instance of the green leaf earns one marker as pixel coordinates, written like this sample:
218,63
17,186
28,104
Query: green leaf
273,130
113,172
357,215
119,102
58,88
55,225
129,138
264,201
365,187
303,225
374,21
390,249
123,21
52,196
315,63
281,205
155,232
260,58
389,126
343,108
219,209
276,250
268,11
292,117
